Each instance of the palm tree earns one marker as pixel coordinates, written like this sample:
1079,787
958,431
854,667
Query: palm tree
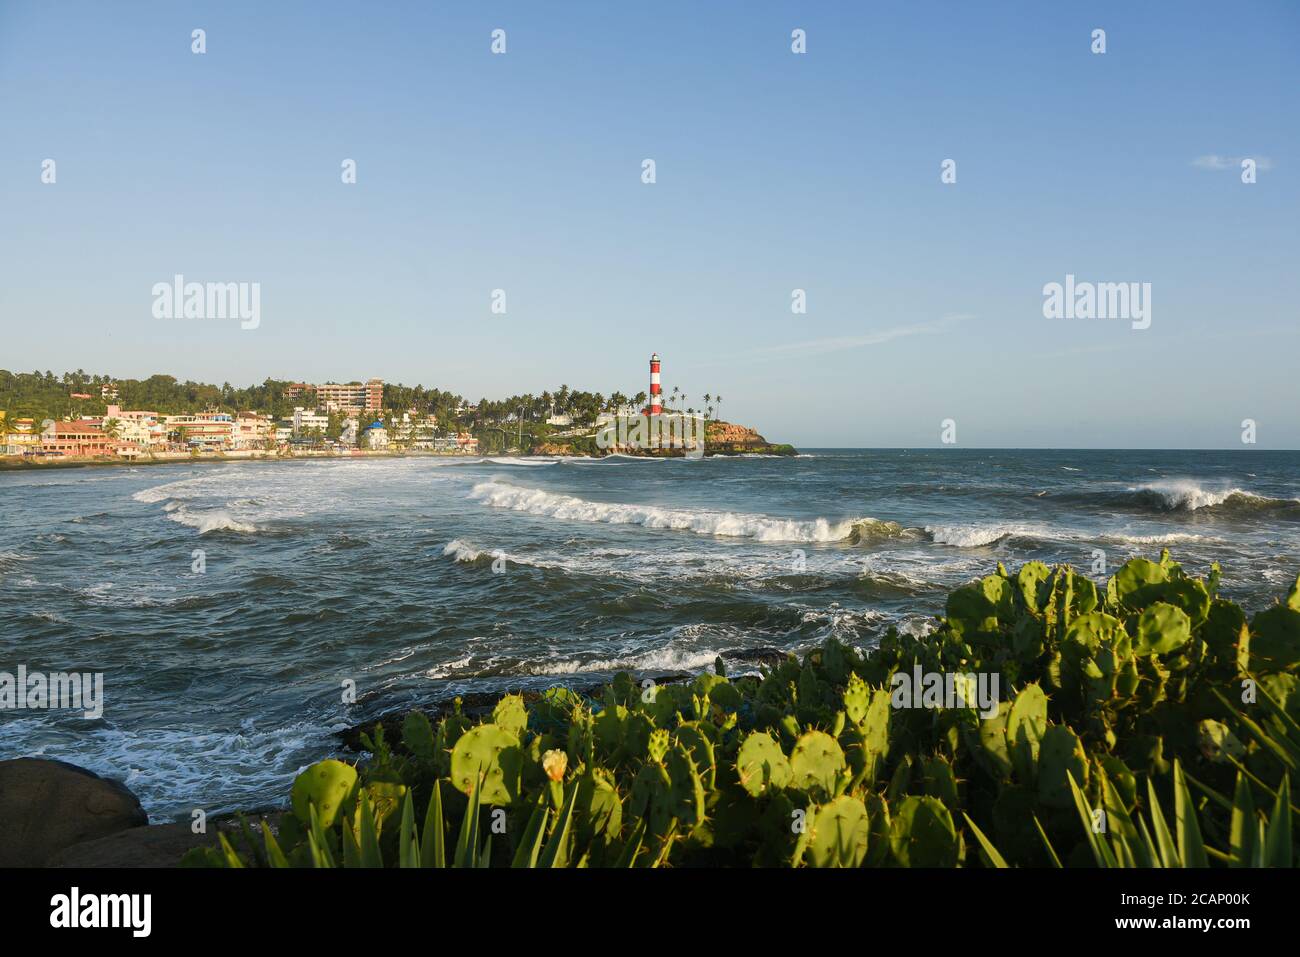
112,428
708,408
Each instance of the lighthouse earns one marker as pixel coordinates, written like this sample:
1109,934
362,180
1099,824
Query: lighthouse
656,400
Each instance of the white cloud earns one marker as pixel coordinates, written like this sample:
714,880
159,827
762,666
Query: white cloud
817,347
1214,162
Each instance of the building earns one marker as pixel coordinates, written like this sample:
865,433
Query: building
210,431
309,420
142,428
374,436
348,436
108,391
253,431
18,436
561,420
656,399
74,438
365,396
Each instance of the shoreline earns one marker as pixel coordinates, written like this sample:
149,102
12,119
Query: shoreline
10,463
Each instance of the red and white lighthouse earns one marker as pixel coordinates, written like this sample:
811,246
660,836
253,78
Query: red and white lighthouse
656,400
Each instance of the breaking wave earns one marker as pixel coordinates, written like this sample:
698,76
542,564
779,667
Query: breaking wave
762,528
1188,496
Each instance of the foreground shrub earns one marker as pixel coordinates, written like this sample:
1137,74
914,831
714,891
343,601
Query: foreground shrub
1147,724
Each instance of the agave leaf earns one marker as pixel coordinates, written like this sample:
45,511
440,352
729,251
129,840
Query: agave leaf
228,852
467,843
997,859
1191,846
1242,829
433,851
1101,851
369,837
274,855
530,845
408,844
319,846
1051,851
556,853
1164,839
1277,839
627,856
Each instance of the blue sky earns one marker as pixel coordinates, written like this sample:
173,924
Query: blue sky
775,171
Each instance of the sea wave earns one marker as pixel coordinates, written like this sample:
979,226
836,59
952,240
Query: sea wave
977,536
1188,496
761,528
214,521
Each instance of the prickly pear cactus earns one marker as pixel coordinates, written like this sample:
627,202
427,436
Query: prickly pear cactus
761,765
657,745
511,715
1026,725
922,833
493,753
1061,753
839,835
816,762
329,785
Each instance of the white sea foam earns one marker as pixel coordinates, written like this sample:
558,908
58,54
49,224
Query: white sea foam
214,521
1189,495
977,536
762,528
461,551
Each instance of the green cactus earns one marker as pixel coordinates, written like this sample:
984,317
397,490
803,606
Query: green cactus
511,715
687,789
1162,628
839,833
493,753
328,786
694,738
1061,754
1026,725
657,745
922,833
761,765
652,798
418,736
815,762
857,698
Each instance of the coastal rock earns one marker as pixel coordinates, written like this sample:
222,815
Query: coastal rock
158,845
46,806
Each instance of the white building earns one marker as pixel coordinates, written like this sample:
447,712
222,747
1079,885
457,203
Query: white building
305,420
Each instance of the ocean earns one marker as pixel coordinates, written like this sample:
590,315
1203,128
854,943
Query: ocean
228,605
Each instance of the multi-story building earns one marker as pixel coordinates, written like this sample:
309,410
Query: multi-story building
374,436
253,431
142,428
74,438
108,391
19,436
210,430
309,420
365,396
